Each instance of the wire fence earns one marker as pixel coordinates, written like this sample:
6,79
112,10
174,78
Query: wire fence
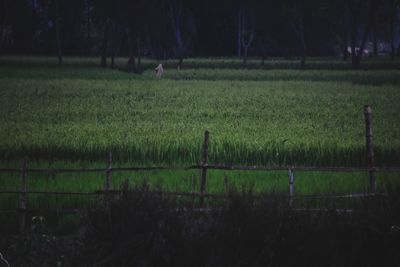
371,170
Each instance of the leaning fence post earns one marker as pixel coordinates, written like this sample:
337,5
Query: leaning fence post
370,148
204,168
23,197
108,178
291,186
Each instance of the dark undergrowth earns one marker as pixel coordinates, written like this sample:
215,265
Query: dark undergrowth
143,228
328,63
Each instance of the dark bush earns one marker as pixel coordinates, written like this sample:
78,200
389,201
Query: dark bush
144,228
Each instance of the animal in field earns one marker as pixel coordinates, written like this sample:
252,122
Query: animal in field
159,70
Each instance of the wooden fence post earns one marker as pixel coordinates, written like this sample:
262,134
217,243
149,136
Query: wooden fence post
204,169
370,148
108,179
291,186
23,197
226,185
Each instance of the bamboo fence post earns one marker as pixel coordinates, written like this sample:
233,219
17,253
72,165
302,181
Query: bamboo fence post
23,197
108,178
291,186
204,168
370,148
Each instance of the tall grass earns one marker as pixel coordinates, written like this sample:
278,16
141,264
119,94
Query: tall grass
162,122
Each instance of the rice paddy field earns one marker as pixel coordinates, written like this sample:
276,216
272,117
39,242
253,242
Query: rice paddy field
270,114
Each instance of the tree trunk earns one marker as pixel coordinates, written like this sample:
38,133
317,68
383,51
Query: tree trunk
103,63
4,23
249,31
180,62
150,47
345,44
246,50
114,46
392,22
139,52
303,59
302,46
298,28
131,60
373,5
345,28
353,42
176,16
58,31
375,36
239,51
375,44
345,54
89,33
344,48
354,29
263,60
117,41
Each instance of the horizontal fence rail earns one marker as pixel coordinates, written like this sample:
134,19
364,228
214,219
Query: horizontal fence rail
98,192
208,166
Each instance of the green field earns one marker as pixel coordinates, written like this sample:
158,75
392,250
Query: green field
271,114
255,116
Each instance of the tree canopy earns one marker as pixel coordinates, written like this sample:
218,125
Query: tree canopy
180,28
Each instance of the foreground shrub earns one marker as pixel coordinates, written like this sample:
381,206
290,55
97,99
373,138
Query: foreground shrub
144,228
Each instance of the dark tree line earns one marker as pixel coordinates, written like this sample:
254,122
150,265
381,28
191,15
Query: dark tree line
179,28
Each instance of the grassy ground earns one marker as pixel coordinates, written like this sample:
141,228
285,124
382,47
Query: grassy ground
271,114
